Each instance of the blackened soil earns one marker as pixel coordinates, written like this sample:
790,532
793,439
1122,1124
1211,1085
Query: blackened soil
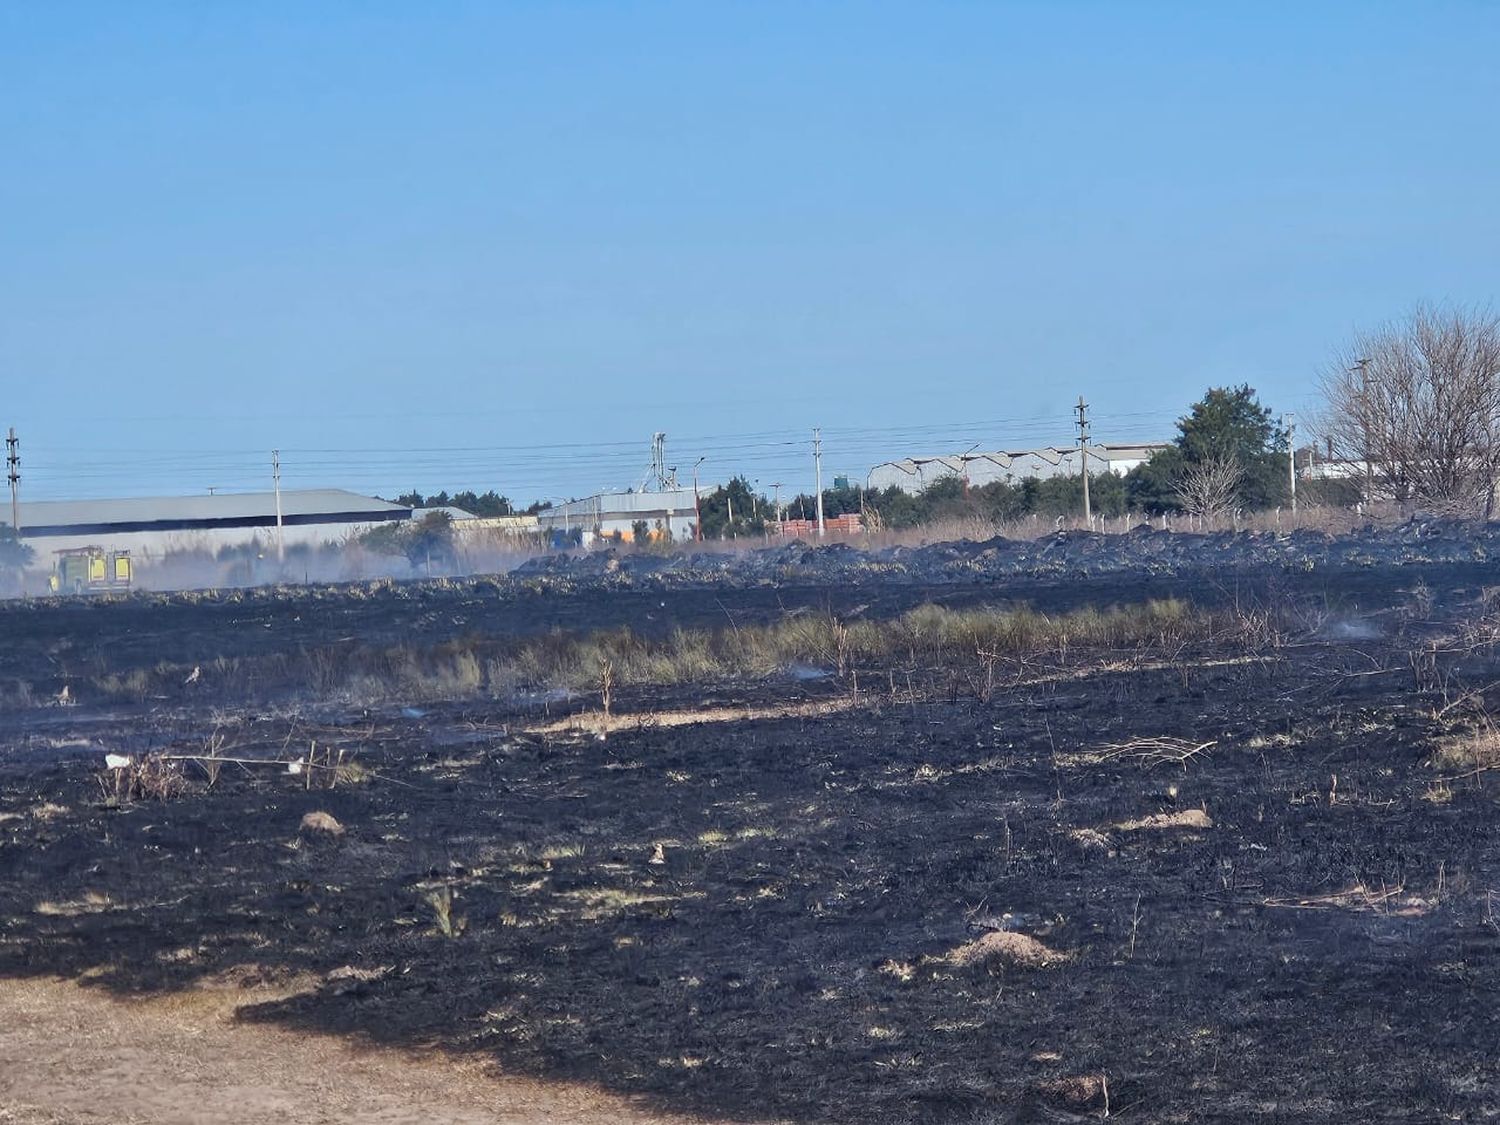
753,918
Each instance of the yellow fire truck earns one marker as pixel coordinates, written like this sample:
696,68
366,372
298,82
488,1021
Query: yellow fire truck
90,570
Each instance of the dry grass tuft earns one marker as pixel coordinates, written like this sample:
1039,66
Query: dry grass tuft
320,821
1006,948
1091,840
1077,1092
1187,818
1471,751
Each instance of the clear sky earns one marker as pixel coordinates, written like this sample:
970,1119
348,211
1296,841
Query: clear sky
498,244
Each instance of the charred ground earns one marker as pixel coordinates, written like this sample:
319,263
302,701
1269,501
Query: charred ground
773,912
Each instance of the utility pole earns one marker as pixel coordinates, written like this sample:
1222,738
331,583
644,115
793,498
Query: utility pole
776,503
1291,455
13,474
1082,410
697,508
818,469
276,480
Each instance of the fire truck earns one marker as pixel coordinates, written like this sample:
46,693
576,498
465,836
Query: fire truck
90,570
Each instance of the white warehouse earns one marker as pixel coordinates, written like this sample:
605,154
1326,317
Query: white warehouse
608,513
151,527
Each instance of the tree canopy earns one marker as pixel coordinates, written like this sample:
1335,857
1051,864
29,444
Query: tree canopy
1227,426
486,504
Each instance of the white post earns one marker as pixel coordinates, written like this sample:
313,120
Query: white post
1291,459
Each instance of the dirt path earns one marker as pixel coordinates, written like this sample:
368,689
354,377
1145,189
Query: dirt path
68,1054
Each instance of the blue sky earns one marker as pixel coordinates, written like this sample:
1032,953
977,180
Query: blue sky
497,245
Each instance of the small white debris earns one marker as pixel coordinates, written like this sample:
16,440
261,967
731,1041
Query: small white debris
193,675
116,761
294,767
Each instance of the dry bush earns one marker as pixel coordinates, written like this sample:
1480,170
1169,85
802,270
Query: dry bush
152,776
440,900
1469,751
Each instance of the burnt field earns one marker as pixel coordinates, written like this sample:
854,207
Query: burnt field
807,853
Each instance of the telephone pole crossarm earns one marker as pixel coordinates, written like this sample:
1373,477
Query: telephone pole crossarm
13,476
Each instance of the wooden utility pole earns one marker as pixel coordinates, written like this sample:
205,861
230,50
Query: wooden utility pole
1082,410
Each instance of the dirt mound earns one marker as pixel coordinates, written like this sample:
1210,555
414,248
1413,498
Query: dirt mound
1006,948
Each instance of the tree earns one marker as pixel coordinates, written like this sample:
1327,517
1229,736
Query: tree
1419,399
1210,487
749,510
430,539
487,504
422,541
1227,425
15,556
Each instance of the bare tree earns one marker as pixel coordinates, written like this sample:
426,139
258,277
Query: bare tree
1210,487
1418,401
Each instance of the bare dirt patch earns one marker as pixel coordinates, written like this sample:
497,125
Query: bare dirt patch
72,1054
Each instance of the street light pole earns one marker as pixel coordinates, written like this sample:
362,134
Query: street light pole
1291,455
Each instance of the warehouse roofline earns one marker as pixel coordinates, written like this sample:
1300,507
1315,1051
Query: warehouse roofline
299,507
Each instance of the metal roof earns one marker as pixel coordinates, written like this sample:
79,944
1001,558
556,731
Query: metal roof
304,506
1004,458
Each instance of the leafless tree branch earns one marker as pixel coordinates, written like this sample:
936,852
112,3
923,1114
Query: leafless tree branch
1420,399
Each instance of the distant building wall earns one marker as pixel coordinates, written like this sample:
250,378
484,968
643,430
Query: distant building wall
847,524
150,528
611,513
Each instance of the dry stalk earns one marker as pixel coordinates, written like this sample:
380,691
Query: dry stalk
606,685
1161,750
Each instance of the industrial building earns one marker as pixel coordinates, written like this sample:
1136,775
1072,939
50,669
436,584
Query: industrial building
914,474
619,513
152,527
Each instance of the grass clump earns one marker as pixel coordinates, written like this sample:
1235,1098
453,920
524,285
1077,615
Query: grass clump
602,661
